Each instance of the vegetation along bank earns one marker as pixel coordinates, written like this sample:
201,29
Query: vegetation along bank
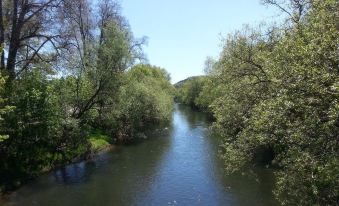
73,82
274,94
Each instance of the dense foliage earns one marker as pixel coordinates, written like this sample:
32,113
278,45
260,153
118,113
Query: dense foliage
4,109
189,91
145,96
275,96
70,84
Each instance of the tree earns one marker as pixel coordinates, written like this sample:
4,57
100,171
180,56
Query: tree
96,61
58,98
294,9
274,96
26,33
190,91
4,108
145,97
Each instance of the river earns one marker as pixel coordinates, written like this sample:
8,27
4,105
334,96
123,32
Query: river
176,165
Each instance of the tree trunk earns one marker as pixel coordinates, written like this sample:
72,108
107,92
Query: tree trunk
2,39
14,44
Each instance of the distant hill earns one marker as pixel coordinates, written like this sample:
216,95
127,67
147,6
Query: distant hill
180,83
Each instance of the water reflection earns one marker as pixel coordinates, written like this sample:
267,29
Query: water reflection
176,165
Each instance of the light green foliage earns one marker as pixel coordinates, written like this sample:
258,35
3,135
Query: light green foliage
33,126
41,134
98,140
4,109
115,52
209,92
189,91
275,98
99,81
57,100
97,144
146,96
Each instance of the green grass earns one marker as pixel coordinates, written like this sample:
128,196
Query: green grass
98,140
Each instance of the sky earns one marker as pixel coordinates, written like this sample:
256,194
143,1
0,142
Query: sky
182,33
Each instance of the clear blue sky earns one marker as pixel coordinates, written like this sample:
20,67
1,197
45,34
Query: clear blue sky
182,33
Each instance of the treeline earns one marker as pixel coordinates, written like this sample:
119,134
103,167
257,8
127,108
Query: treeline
188,92
274,93
70,83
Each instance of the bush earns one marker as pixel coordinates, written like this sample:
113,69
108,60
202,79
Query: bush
189,92
276,94
145,97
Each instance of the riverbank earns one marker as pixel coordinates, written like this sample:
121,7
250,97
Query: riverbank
177,164
97,148
98,142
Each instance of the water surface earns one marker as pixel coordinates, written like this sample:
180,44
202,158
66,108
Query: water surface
177,165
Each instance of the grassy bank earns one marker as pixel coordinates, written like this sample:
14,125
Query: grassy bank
98,141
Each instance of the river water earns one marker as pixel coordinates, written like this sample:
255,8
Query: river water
176,165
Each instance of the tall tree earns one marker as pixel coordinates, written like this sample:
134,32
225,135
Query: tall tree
2,38
27,34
